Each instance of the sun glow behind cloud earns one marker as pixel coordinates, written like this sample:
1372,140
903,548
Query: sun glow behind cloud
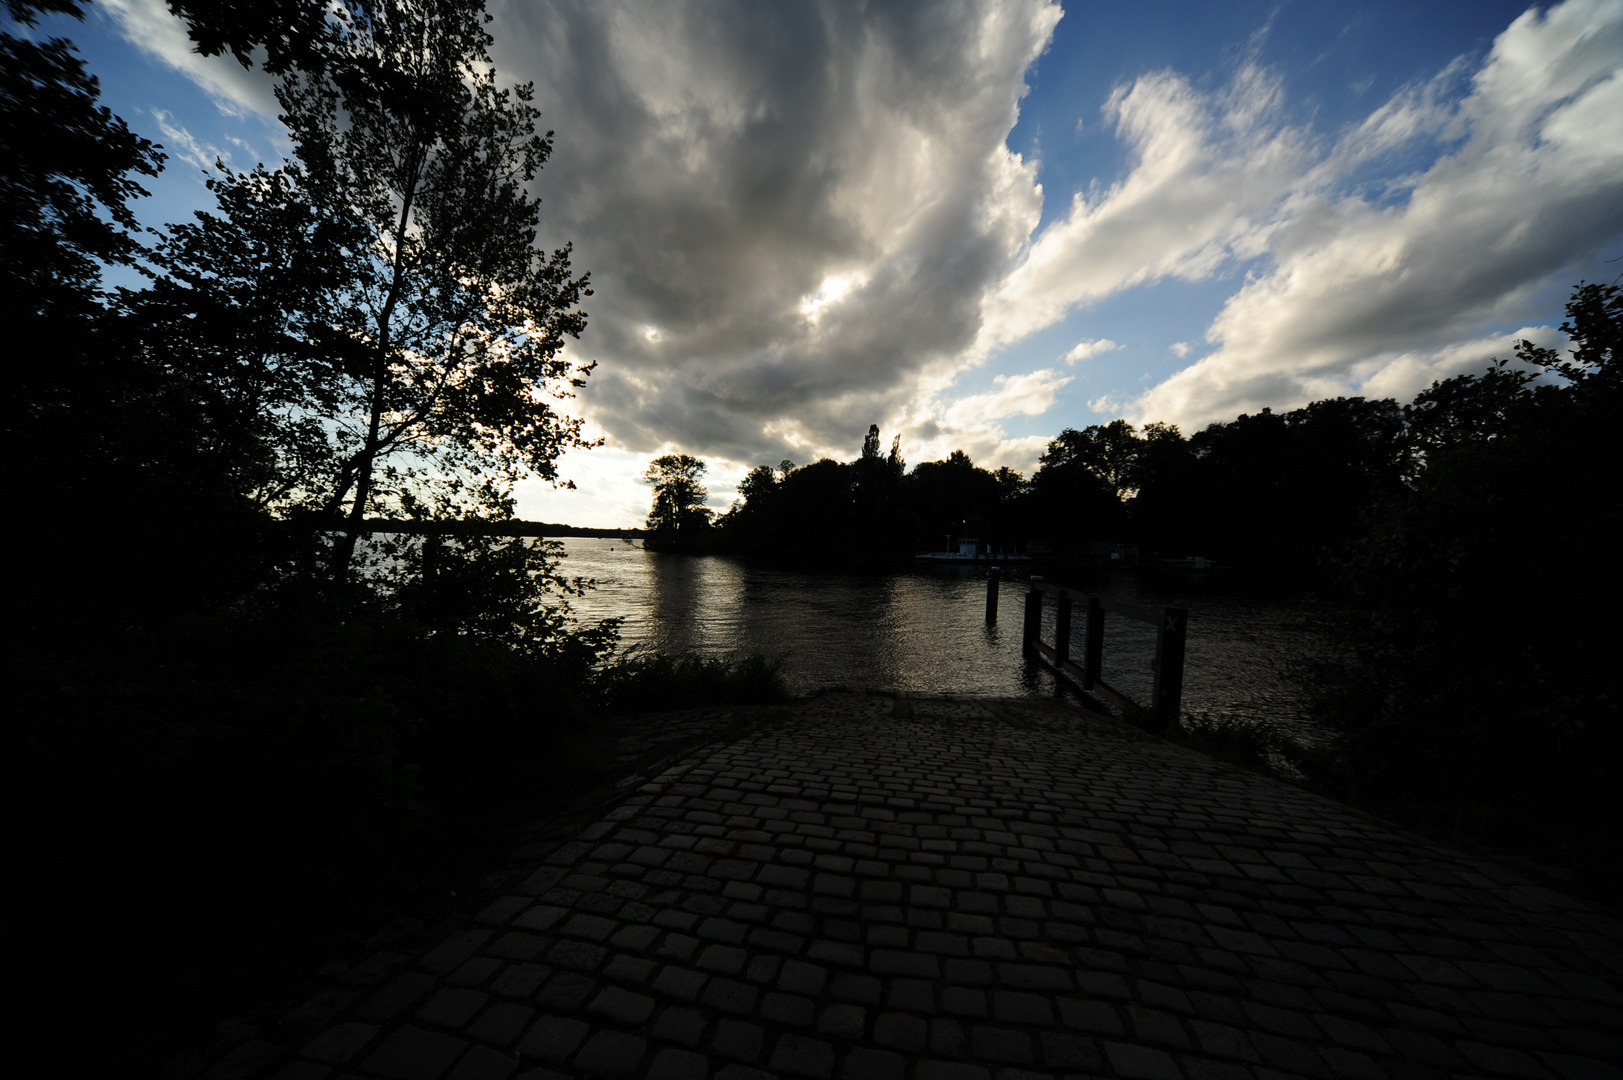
834,288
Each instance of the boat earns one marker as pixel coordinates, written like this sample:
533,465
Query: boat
970,551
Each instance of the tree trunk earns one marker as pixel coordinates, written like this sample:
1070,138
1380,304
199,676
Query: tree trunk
345,554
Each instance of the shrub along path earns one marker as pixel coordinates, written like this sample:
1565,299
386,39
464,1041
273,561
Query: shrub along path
932,888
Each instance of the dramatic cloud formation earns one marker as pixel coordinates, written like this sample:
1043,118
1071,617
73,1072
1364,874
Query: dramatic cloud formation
804,217
1208,176
1360,285
790,211
1383,291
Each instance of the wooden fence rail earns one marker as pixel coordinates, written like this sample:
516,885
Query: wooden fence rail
1171,625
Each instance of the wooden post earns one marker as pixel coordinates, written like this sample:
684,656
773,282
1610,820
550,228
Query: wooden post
991,595
1093,646
1062,630
1034,616
1167,701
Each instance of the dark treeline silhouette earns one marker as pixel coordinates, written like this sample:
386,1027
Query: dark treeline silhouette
1475,603
1267,492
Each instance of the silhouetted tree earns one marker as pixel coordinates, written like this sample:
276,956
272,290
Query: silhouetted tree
68,171
824,511
87,422
1466,408
1168,509
1071,503
426,336
876,495
1108,451
374,306
816,511
1276,488
678,510
1481,696
954,498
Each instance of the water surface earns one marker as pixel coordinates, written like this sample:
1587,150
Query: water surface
922,629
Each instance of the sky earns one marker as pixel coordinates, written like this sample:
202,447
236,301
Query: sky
978,223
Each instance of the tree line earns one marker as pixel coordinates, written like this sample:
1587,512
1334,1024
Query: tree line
1267,492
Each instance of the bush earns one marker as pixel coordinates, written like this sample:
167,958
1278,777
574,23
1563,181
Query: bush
1478,699
655,681
253,793
1251,744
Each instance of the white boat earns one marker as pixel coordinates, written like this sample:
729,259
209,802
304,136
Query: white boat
970,551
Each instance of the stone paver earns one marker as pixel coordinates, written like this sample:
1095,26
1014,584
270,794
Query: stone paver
1009,889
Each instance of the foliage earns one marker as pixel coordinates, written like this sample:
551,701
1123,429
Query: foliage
876,495
954,498
403,355
825,510
1275,488
90,422
67,183
648,682
256,754
500,591
678,511
1109,452
1073,499
1477,698
1247,742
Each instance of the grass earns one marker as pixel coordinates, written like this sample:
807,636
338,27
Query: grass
1255,745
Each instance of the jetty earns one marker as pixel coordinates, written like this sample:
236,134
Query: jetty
870,886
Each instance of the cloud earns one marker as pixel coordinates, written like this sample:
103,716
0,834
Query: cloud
802,218
236,90
934,425
1087,350
1375,294
1015,395
1208,172
183,144
790,211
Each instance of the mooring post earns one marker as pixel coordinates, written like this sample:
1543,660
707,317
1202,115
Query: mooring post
1034,615
991,595
1166,701
1062,630
1093,645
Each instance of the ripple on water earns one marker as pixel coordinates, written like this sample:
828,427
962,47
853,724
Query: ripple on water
922,630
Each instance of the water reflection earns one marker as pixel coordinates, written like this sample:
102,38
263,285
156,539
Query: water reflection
922,630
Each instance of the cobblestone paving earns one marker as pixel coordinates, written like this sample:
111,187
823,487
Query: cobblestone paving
953,890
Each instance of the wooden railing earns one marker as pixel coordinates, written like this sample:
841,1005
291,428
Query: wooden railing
1171,625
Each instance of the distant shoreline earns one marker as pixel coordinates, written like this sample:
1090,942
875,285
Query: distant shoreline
478,527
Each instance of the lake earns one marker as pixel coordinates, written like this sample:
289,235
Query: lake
922,629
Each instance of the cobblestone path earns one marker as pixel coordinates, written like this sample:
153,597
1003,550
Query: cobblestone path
949,890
